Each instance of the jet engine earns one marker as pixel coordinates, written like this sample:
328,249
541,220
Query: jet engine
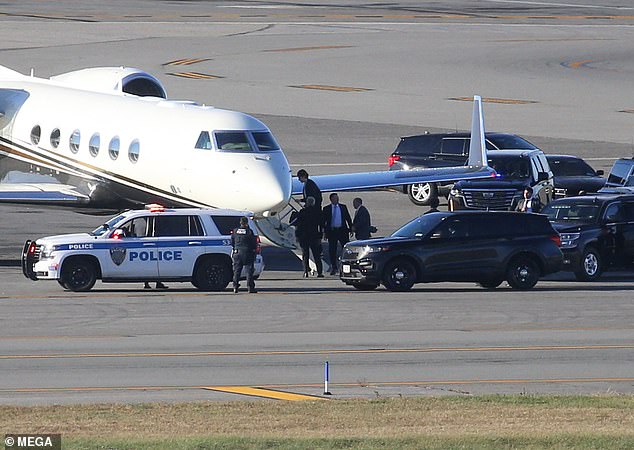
126,80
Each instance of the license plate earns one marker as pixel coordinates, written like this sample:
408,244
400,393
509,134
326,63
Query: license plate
346,268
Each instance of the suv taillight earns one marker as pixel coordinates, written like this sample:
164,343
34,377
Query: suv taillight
556,239
258,247
392,159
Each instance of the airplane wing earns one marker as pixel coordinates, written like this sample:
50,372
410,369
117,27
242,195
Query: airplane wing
476,167
49,194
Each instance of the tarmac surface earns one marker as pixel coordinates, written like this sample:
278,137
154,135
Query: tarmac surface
337,84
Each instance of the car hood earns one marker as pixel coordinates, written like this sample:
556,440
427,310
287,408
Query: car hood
381,241
586,183
493,184
571,227
66,238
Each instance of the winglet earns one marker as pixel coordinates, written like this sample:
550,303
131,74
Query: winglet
477,147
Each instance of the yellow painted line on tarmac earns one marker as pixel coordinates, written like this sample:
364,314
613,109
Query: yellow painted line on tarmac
185,62
322,352
195,75
263,393
578,64
305,49
322,87
502,101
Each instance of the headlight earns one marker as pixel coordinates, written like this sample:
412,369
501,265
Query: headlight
569,239
366,250
453,192
46,251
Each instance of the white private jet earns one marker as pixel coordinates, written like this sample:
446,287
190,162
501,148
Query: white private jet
107,139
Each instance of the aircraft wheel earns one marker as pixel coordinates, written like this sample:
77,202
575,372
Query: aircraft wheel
421,194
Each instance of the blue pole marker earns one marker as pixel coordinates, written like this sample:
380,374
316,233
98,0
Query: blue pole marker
326,378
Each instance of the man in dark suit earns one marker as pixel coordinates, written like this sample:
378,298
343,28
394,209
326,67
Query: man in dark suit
337,225
310,188
361,222
528,203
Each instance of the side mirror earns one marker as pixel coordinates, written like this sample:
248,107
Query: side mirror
118,234
542,176
600,173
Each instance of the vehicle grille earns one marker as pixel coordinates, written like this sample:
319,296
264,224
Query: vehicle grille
490,199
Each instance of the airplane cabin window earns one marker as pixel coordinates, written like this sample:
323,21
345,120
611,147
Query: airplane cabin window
265,141
93,145
113,148
204,141
133,151
73,142
55,134
36,132
233,141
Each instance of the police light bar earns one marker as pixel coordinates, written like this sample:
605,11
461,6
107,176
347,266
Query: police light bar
155,207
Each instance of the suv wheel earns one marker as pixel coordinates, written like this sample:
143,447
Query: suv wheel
212,274
421,193
590,266
78,275
522,273
399,275
365,286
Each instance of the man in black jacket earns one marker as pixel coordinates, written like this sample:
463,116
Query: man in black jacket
308,232
337,225
310,188
244,244
361,222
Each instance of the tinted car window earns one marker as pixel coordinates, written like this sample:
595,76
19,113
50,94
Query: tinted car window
562,212
570,167
510,142
226,224
453,146
136,227
418,145
510,166
177,226
453,228
421,226
620,171
628,210
614,213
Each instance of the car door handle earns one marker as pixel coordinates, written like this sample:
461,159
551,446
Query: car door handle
149,244
194,243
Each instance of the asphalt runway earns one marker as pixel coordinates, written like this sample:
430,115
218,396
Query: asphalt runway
337,85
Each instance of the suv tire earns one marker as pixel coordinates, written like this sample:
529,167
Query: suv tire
421,194
399,275
522,273
78,274
212,273
590,265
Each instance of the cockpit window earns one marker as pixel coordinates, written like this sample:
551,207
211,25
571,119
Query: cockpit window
204,141
233,141
265,141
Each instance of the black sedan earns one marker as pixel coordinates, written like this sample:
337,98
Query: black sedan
574,176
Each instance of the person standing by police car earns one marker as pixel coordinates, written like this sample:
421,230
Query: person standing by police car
244,244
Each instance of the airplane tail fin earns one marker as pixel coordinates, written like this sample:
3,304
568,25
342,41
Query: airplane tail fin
477,147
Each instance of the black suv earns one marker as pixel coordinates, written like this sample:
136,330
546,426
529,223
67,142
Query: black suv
443,150
596,231
573,176
515,171
485,247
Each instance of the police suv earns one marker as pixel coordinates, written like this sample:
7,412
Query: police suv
155,244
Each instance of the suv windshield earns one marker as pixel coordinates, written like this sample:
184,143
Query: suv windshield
509,141
570,168
564,212
109,225
419,227
510,166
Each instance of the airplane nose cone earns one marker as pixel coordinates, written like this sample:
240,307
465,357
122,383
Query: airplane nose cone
271,191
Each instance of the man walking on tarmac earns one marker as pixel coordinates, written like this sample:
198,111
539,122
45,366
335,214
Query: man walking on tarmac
244,245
